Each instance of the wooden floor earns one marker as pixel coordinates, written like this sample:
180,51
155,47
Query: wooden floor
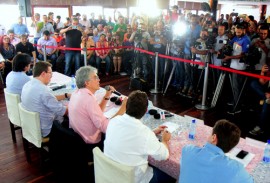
13,165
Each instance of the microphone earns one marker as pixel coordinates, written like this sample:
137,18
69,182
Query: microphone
115,92
157,116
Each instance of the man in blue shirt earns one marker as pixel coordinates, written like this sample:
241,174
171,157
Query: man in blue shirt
240,45
36,97
209,164
20,28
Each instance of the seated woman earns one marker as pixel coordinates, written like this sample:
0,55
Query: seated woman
103,53
117,54
88,42
7,50
17,77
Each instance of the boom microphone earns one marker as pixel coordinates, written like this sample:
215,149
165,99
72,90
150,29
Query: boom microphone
115,92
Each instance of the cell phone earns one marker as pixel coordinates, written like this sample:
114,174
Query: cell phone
74,27
208,22
242,154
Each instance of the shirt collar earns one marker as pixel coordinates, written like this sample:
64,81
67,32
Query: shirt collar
214,148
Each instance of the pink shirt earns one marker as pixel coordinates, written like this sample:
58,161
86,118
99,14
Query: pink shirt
86,117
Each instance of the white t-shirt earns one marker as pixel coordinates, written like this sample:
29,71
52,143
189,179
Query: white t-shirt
129,142
218,46
263,57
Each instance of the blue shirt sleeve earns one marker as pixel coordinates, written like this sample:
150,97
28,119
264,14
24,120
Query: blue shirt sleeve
245,45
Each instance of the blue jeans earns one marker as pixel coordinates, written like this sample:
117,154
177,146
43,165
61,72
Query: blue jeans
265,116
52,58
258,89
72,56
108,63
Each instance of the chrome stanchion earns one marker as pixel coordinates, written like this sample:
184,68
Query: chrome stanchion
155,90
44,53
206,72
85,56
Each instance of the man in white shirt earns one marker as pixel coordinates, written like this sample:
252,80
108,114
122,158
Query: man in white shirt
129,142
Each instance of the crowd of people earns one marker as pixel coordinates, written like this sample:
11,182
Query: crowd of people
204,38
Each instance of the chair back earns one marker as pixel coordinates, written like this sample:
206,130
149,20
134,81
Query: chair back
30,126
12,101
109,171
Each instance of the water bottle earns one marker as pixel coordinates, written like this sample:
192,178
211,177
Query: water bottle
266,154
192,130
73,82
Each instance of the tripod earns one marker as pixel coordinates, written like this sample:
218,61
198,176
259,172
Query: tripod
220,86
136,69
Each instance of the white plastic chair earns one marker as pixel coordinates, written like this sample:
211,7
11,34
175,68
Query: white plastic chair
109,171
31,131
12,101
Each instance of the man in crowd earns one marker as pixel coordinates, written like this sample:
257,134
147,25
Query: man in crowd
34,25
85,113
59,24
262,89
141,41
263,42
73,40
240,45
47,40
36,97
26,47
128,141
20,28
209,163
86,23
120,27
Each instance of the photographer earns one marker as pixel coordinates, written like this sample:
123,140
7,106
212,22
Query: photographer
158,42
263,43
240,45
221,41
262,88
193,33
201,50
141,38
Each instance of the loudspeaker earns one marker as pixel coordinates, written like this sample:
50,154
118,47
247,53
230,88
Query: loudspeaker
25,8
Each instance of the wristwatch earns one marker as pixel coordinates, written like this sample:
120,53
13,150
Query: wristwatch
66,95
105,98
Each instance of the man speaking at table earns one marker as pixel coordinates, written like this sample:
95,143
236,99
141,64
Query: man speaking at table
130,142
209,164
85,113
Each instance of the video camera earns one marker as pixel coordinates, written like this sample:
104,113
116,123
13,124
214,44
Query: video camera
252,57
138,34
227,49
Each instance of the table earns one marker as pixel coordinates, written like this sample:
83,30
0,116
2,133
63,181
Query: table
260,171
180,139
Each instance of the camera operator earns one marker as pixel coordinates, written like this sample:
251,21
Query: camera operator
141,38
221,40
193,34
240,45
262,88
158,42
201,52
263,43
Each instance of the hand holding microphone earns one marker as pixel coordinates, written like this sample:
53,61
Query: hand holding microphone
111,89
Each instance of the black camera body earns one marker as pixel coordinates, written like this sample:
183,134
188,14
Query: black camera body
252,57
227,49
138,34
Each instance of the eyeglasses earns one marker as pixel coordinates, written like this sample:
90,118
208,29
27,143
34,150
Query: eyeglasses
95,78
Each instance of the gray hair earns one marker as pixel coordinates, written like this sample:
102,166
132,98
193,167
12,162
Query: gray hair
82,75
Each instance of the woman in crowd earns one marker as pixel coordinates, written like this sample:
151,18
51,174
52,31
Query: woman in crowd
17,77
8,51
117,53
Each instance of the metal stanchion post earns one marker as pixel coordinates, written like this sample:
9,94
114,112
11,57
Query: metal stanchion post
44,53
155,90
85,56
203,105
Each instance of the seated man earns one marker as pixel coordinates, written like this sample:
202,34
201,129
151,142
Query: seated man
209,163
36,97
47,40
26,47
17,77
262,89
85,113
128,141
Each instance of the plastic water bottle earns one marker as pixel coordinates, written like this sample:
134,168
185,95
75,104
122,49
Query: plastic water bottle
266,154
192,130
73,82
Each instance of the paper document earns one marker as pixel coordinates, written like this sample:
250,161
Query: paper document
171,126
110,113
245,161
